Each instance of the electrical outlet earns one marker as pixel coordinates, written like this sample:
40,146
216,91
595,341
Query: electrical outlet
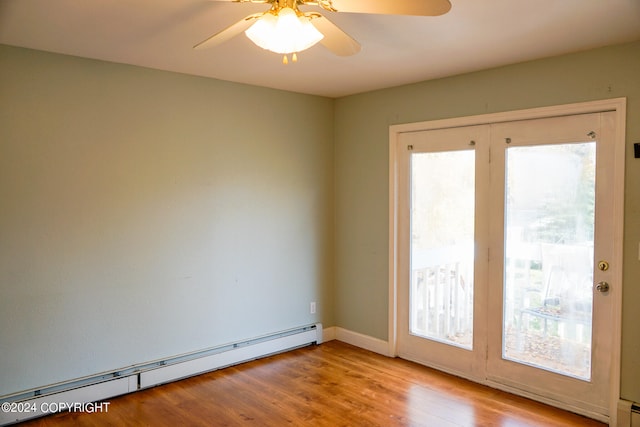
312,307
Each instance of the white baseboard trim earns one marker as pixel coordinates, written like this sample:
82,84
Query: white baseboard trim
359,340
329,334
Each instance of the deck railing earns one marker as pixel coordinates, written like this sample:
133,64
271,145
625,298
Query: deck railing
442,303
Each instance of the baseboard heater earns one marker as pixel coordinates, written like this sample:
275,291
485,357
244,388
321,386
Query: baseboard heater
635,415
628,414
72,395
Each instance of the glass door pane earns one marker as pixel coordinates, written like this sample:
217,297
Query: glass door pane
549,241
442,246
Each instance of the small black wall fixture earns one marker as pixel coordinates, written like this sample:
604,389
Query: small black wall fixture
636,150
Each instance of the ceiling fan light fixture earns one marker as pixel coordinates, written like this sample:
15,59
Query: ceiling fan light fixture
284,32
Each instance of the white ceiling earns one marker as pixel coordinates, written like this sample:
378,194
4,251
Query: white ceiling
474,35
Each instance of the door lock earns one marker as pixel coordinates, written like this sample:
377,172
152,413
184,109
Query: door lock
603,265
602,287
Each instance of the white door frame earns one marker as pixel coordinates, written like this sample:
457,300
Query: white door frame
618,105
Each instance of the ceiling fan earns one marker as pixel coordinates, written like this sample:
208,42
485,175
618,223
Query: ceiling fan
285,29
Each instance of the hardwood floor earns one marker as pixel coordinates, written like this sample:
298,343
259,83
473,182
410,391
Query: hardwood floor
333,384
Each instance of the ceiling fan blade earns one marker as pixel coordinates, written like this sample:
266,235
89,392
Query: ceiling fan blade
336,40
394,7
229,32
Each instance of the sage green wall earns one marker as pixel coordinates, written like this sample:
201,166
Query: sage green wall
145,214
361,165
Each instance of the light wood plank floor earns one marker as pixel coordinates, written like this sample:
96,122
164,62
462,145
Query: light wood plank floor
333,384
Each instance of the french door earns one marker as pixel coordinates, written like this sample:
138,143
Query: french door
506,262
442,236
